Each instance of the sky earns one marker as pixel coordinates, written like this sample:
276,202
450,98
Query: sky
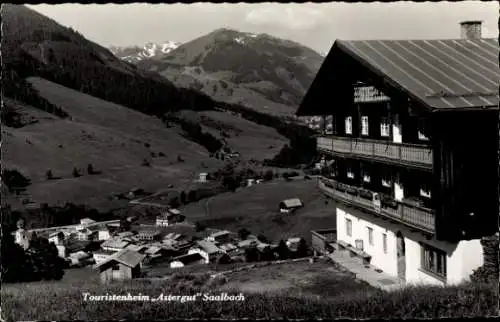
312,24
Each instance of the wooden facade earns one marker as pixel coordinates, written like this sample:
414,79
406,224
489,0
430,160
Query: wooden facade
115,271
448,153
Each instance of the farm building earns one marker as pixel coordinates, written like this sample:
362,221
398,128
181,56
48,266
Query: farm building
164,220
114,245
203,177
290,205
188,259
220,237
79,257
415,140
86,234
103,233
102,255
123,265
23,237
209,251
56,237
149,235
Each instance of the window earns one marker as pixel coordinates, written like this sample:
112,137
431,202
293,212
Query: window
384,242
115,267
348,227
385,127
350,173
348,125
370,236
425,191
366,177
386,180
364,125
422,131
434,260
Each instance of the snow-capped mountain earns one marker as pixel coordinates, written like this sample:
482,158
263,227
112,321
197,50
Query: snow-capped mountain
134,54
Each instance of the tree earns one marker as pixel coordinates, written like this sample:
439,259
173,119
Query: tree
252,254
174,202
183,198
283,250
145,163
76,174
191,196
49,175
45,261
199,226
302,249
243,233
269,175
13,263
90,168
263,238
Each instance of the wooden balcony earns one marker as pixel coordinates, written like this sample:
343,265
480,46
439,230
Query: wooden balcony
410,215
408,154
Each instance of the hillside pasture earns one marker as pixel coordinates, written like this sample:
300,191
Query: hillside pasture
256,209
114,139
251,140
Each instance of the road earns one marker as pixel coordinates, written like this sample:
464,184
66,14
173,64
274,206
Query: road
97,223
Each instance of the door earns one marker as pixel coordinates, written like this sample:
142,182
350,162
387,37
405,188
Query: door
397,130
401,256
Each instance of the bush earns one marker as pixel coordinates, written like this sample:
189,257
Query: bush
262,238
269,175
145,163
180,159
302,249
243,233
49,175
14,180
90,168
183,198
161,154
199,226
282,250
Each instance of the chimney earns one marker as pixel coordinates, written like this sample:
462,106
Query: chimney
471,29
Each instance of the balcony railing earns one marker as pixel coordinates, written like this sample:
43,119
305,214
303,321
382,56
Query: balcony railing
410,215
406,153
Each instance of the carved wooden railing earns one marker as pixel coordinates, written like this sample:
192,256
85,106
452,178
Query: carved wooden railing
408,214
407,153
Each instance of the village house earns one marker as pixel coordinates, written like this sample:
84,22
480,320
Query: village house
290,205
86,234
103,233
414,145
247,243
209,251
56,237
123,265
220,237
84,223
164,219
79,258
188,259
203,177
149,235
114,245
102,255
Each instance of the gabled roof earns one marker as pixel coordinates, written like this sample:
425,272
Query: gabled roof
115,243
291,203
189,258
208,247
125,257
442,74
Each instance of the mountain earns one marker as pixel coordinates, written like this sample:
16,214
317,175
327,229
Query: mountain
259,71
68,103
134,54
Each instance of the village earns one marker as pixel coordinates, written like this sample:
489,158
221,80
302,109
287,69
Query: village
128,248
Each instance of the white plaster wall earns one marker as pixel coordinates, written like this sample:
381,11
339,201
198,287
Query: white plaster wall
462,258
385,261
103,235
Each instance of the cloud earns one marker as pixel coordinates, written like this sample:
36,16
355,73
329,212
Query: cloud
294,18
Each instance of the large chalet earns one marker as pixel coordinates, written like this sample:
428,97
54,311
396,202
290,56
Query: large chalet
412,150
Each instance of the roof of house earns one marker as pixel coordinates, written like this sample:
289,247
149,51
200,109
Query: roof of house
220,233
209,247
125,257
153,249
291,203
56,233
247,242
136,248
86,221
189,258
115,243
442,74
293,240
125,234
148,232
228,247
174,211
